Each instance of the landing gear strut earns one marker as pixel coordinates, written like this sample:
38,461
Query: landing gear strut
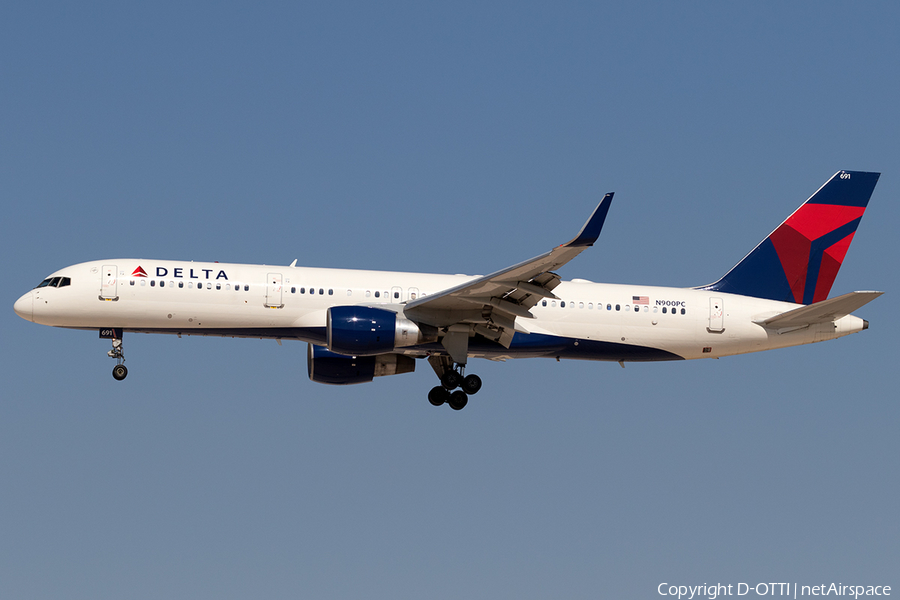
452,376
119,371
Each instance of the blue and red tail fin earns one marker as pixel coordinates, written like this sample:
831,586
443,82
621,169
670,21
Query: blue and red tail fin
799,261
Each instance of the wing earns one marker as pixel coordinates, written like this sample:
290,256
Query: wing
492,303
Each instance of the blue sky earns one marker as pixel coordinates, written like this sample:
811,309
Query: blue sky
456,139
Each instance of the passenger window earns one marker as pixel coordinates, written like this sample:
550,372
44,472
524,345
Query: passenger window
218,286
581,305
321,291
246,288
682,311
396,295
609,307
131,282
412,296
143,282
646,309
553,303
590,305
377,294
618,307
180,284
162,284
331,292
637,308
349,292
627,307
208,285
562,303
293,290
368,293
303,290
664,310
152,283
543,303
312,291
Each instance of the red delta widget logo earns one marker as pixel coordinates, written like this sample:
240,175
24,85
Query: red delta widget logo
178,273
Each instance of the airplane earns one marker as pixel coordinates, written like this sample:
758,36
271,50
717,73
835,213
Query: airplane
359,325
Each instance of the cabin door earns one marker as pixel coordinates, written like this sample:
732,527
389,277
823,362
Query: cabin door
274,289
108,289
716,315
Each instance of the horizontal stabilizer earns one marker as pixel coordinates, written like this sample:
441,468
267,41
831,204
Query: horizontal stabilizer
820,312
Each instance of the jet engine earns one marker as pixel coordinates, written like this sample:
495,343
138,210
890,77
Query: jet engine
367,331
339,369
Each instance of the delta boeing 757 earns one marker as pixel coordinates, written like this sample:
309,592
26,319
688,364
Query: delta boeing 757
365,324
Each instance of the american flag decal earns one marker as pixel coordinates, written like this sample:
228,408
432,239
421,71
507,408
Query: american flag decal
640,299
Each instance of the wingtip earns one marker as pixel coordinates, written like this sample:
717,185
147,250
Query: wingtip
591,230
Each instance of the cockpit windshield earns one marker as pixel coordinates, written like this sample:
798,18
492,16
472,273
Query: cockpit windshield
55,282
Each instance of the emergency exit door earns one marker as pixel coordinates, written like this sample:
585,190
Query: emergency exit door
274,290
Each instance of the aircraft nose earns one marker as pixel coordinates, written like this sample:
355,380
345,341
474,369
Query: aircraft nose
24,307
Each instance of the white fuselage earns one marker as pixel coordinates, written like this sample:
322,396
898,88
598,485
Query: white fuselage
188,298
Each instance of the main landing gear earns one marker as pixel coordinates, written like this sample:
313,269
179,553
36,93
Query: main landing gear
119,371
452,376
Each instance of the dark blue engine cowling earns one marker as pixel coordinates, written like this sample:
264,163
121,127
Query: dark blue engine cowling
327,367
338,369
360,330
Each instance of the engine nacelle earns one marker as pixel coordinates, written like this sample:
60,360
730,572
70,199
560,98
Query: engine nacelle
367,331
339,369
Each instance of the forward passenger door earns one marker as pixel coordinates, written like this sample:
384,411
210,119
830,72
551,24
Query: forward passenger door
108,289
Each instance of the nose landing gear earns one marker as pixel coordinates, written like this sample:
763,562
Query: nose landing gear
119,371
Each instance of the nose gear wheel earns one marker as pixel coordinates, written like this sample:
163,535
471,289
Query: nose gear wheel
119,372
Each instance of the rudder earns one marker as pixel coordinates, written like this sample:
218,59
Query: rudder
799,261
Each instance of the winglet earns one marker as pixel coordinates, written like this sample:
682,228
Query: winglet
591,230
